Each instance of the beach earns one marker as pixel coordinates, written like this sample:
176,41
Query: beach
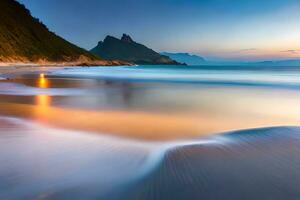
149,100
134,133
57,164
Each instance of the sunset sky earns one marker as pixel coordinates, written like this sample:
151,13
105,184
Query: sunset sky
217,29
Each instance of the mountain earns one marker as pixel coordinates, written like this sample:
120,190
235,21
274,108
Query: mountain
186,58
295,63
126,49
24,39
262,64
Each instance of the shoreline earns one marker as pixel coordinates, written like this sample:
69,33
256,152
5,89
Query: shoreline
9,68
7,71
61,64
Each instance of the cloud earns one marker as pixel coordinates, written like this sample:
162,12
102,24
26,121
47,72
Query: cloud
249,50
291,51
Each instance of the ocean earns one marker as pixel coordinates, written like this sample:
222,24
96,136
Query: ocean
150,132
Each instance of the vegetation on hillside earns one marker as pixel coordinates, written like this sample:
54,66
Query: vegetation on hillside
24,38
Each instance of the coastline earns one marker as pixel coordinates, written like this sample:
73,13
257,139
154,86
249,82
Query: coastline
7,72
7,68
59,64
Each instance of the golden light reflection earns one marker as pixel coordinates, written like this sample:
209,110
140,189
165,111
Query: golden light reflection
42,82
142,125
42,101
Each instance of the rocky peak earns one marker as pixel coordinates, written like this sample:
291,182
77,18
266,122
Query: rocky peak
100,43
126,49
126,38
108,38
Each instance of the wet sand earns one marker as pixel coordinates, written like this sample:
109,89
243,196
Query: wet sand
66,137
146,111
57,164
7,72
38,162
251,164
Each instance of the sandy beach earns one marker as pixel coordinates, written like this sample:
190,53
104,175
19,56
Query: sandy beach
149,100
13,70
248,164
65,132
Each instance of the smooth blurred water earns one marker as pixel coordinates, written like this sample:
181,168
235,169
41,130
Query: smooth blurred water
170,102
278,76
150,132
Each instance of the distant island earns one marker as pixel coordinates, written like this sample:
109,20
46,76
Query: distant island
126,49
186,58
24,39
242,64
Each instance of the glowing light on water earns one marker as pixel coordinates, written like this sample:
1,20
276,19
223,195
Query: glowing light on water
42,81
42,101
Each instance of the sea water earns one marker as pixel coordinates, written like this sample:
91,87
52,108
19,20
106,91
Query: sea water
141,132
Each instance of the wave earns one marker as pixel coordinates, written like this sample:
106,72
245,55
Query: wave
257,164
59,164
204,76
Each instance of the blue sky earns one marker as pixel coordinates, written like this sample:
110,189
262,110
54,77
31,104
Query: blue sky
216,29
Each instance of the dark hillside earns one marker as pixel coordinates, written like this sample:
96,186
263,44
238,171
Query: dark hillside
24,38
126,49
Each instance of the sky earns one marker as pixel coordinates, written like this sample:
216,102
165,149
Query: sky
243,30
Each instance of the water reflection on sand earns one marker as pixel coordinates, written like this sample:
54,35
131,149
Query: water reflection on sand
38,162
147,110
